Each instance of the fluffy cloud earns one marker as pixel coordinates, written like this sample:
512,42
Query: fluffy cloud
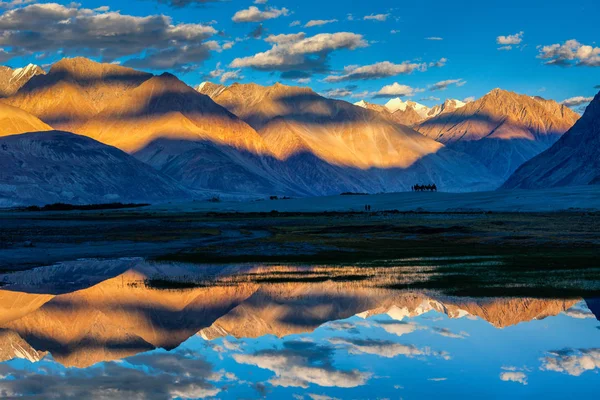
298,56
7,4
376,17
571,361
374,71
570,53
319,22
443,85
448,333
231,76
396,90
518,377
381,348
576,101
154,41
517,38
507,42
254,14
398,328
337,93
300,364
430,98
166,376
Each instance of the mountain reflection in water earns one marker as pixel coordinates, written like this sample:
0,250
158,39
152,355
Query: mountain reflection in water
132,329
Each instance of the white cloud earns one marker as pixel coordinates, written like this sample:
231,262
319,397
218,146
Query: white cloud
295,23
435,38
515,39
449,334
375,71
518,377
319,22
376,17
154,41
576,101
469,99
570,53
398,328
384,348
231,76
337,93
298,56
254,14
571,361
397,90
443,85
301,366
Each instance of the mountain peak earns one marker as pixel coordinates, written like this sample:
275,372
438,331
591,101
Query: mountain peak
11,80
81,68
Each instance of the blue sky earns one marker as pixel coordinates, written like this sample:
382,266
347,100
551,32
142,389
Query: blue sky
467,60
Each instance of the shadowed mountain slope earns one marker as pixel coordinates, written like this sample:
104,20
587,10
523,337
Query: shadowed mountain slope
295,122
53,166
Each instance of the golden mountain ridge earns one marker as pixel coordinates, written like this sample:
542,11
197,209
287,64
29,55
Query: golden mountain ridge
501,114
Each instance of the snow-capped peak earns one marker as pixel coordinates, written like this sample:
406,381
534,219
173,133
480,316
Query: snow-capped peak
27,71
361,103
396,104
448,106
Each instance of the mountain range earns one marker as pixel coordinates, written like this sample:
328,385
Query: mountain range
252,140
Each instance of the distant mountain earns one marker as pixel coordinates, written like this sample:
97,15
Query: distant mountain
407,116
573,160
447,106
502,129
358,143
49,167
14,120
11,80
397,104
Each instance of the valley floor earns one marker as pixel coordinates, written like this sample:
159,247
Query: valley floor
320,230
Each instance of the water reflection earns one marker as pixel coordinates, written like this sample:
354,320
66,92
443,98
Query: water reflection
128,328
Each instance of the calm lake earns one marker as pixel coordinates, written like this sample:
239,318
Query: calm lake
128,328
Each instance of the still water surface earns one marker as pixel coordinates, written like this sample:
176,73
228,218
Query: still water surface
138,330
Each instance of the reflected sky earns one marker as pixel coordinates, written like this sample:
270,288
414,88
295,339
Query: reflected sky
105,333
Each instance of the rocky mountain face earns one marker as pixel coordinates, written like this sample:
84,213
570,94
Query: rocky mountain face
502,129
54,166
11,80
74,90
311,134
573,160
